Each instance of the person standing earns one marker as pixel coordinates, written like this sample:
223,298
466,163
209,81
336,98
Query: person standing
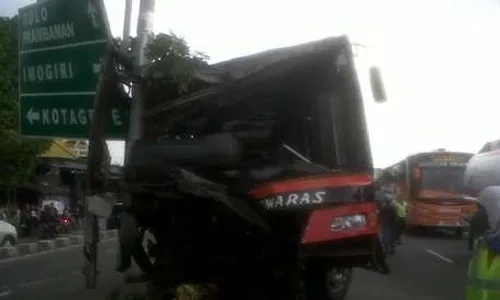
388,217
45,220
478,226
483,274
402,210
35,220
15,218
76,215
130,244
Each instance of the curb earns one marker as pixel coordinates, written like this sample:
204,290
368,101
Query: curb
49,245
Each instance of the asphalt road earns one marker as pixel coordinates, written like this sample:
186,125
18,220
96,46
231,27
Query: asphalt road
57,275
424,268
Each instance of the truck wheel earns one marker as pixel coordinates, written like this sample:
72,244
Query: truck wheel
338,283
327,284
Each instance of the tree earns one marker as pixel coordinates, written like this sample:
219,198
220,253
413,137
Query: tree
173,65
18,156
171,74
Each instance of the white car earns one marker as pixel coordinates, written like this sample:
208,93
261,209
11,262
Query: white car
8,234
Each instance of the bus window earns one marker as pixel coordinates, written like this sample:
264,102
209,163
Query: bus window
443,179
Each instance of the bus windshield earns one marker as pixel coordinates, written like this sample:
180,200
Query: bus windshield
442,180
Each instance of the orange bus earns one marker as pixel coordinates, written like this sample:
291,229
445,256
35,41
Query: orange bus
432,184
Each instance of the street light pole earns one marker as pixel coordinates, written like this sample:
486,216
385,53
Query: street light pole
144,37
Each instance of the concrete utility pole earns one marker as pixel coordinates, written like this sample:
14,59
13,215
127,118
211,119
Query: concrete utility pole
144,37
126,24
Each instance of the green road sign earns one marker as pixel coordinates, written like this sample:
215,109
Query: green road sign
70,115
61,44
56,23
64,70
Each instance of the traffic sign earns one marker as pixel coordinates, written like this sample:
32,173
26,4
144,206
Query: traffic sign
67,116
74,69
61,44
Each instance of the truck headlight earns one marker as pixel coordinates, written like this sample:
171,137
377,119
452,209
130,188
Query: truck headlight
348,222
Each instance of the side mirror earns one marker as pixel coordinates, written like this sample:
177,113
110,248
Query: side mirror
377,85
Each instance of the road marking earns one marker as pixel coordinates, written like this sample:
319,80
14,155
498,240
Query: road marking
446,259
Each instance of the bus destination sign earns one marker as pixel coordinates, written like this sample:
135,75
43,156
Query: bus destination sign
445,160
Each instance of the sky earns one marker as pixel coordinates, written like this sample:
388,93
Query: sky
439,59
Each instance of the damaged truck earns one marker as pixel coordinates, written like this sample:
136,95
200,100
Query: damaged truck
259,183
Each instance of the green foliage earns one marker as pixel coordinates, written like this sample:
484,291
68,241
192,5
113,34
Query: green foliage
18,156
8,73
171,74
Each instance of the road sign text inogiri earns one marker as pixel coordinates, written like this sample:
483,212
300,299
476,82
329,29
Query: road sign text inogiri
61,44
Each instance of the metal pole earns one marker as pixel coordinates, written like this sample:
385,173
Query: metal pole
126,36
126,24
144,37
96,180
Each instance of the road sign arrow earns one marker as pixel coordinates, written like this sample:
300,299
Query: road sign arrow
96,67
32,116
92,12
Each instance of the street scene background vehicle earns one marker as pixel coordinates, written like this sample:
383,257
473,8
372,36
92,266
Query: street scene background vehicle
433,185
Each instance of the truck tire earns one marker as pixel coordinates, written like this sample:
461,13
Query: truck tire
338,283
328,284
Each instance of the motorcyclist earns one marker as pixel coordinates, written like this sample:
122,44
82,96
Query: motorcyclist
67,219
68,215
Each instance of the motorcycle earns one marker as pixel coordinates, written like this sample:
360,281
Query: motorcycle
66,224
